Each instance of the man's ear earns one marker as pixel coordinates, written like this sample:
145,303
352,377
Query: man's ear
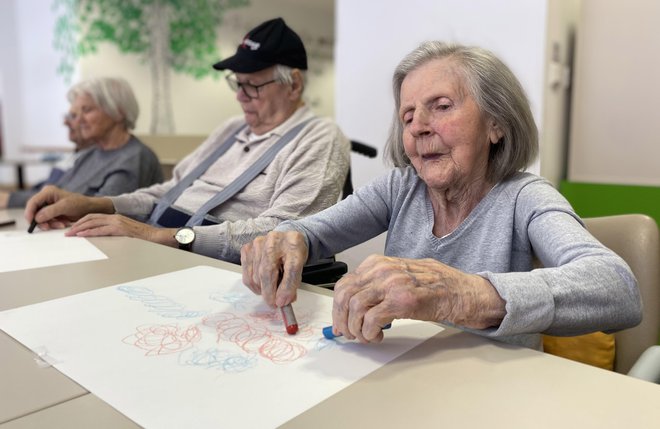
298,83
495,133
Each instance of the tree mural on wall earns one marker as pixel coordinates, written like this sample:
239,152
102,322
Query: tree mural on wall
178,35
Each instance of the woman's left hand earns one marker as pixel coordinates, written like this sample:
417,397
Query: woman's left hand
383,288
94,225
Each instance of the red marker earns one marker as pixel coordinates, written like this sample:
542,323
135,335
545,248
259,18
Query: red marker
289,319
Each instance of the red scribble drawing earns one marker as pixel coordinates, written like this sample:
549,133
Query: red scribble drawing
266,316
280,350
163,339
254,339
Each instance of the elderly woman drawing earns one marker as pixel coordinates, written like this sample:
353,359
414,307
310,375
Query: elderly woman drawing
112,161
463,221
121,163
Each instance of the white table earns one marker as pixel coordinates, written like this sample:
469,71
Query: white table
455,379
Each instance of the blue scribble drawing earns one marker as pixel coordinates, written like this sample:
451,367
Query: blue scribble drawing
324,343
214,358
161,305
310,334
237,300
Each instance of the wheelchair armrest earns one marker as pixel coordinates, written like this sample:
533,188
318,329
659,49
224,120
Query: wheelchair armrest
323,272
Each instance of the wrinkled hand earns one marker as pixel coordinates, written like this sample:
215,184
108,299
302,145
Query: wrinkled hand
382,289
56,208
96,225
269,257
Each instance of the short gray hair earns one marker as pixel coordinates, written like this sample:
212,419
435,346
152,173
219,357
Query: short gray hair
113,95
496,91
283,74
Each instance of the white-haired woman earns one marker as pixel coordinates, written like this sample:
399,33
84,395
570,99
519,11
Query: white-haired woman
103,113
464,221
120,162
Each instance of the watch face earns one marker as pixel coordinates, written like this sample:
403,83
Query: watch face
185,235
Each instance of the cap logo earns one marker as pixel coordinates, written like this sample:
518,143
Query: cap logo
270,43
251,44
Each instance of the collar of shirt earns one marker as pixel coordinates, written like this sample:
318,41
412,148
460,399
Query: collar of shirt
247,138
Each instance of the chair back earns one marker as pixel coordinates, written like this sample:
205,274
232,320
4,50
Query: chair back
170,149
635,238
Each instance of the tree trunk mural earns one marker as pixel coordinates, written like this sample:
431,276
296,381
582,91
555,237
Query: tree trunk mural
161,105
169,35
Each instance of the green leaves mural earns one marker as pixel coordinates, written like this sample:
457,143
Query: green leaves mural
168,35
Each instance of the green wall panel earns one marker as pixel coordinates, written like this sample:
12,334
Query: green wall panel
595,199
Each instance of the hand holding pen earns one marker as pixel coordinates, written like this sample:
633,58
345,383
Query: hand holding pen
272,267
63,207
48,195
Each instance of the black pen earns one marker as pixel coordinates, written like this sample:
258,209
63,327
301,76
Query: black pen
7,222
33,224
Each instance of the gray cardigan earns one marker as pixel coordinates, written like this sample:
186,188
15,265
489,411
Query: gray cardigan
99,172
585,287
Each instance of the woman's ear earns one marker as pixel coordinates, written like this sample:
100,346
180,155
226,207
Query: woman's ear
495,133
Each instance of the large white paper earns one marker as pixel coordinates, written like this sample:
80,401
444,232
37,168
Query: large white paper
195,348
21,251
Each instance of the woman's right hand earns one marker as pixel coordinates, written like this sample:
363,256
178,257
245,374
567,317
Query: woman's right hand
272,266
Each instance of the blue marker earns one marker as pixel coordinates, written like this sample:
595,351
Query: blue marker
327,331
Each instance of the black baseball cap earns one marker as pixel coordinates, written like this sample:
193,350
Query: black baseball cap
270,43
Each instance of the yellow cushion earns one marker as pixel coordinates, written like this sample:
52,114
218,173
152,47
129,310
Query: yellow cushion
595,349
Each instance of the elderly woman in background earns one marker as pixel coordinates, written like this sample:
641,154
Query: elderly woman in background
71,121
103,111
464,222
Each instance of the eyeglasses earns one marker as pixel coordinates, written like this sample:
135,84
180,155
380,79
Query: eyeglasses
250,91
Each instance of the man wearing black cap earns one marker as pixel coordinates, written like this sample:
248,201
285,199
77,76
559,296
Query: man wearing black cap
276,162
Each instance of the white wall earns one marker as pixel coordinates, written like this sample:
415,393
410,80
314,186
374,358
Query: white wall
32,96
23,105
372,37
614,138
9,94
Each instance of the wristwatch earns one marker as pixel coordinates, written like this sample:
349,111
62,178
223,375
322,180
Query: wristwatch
185,237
